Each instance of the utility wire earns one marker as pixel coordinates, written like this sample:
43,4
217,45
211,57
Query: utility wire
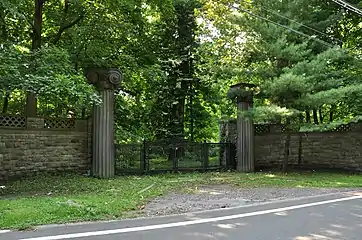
348,6
283,26
308,27
301,24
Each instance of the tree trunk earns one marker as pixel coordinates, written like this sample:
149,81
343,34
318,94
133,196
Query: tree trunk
6,103
315,116
179,112
331,113
321,117
38,23
31,101
307,116
331,116
179,117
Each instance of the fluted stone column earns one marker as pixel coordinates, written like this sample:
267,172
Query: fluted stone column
103,149
245,127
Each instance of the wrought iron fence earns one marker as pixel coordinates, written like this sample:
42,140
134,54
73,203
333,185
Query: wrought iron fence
158,157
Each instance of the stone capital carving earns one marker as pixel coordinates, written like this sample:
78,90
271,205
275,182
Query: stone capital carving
104,78
242,92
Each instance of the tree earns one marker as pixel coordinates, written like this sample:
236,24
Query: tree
174,49
178,44
72,27
295,65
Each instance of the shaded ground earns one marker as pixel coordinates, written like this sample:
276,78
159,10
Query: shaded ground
226,196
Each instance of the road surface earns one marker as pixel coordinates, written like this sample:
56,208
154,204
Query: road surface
332,217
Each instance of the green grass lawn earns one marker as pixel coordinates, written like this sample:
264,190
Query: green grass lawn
45,200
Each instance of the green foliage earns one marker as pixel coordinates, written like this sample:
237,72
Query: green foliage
10,62
272,114
49,74
288,50
161,45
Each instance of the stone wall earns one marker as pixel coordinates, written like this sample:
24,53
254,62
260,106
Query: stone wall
340,148
29,146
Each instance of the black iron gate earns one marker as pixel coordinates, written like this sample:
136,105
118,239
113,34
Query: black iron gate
162,156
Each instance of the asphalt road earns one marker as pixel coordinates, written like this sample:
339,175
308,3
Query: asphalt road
333,217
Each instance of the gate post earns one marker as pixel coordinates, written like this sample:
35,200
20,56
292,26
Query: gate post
103,148
243,94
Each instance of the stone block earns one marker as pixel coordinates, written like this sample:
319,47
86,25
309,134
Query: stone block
34,123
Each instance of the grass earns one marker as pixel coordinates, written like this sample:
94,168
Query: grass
70,198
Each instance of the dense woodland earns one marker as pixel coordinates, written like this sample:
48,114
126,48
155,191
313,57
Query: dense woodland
179,58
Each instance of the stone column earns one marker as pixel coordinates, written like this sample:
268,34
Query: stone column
103,149
243,94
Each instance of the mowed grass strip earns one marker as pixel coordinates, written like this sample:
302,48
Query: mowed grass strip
73,198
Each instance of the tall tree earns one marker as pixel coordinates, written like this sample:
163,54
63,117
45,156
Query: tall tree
178,45
294,51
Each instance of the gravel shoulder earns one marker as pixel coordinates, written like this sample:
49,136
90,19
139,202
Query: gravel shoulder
225,196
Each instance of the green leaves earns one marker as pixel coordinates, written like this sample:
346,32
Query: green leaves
285,89
285,49
329,97
158,43
272,113
10,62
48,73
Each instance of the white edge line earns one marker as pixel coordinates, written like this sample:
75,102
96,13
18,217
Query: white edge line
187,214
188,223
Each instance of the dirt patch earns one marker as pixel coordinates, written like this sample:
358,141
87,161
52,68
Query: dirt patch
225,196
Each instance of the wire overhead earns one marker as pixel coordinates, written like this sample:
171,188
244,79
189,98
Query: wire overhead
283,26
348,6
301,24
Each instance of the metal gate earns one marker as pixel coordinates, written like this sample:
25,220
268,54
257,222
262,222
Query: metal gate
162,156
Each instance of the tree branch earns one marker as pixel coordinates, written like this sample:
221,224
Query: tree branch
66,26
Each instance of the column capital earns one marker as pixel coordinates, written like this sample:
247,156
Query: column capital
242,92
104,78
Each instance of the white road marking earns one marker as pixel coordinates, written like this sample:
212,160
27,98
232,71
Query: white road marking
188,223
4,231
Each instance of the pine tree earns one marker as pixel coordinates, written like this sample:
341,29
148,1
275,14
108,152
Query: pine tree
307,70
296,51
